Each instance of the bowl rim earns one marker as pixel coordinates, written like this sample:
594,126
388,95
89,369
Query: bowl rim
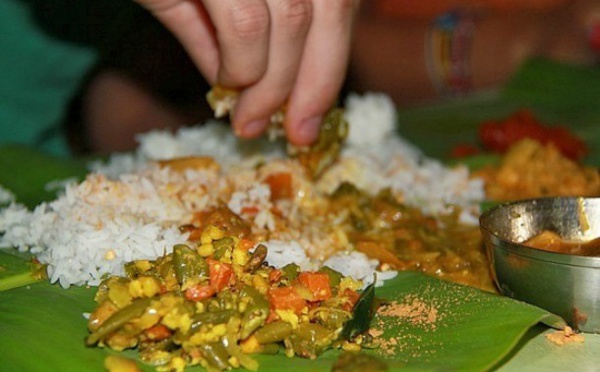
531,252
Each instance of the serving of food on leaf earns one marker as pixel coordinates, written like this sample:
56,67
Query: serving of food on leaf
206,249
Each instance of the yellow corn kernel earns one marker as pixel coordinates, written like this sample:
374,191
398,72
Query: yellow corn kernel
260,284
211,233
146,320
175,319
288,316
206,250
348,346
250,345
211,335
350,283
143,265
240,256
110,255
219,330
144,286
177,364
234,362
200,307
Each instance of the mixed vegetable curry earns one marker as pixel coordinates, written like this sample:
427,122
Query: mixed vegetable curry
217,303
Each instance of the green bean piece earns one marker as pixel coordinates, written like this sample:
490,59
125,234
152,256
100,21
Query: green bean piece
224,300
216,355
223,247
210,317
256,312
325,150
331,317
273,332
136,268
290,271
230,341
257,258
164,269
309,340
118,291
268,349
189,265
118,319
335,277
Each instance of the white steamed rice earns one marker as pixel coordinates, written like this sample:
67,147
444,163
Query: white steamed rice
129,208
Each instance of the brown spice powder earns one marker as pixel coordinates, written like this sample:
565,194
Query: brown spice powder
414,310
565,336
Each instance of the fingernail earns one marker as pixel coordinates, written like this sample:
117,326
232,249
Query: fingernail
253,128
308,130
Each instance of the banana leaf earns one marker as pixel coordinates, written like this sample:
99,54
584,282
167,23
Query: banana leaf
42,326
48,321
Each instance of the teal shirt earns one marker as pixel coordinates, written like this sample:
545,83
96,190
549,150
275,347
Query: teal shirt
46,48
39,75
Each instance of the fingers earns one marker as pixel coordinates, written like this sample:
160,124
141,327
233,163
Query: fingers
322,70
290,23
273,51
242,33
322,52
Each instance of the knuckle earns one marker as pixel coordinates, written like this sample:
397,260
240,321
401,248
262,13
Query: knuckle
295,14
249,20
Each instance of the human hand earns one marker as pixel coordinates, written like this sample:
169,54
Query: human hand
274,52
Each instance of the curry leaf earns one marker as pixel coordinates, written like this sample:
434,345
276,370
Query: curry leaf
362,314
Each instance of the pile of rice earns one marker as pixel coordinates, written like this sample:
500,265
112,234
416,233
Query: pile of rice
131,208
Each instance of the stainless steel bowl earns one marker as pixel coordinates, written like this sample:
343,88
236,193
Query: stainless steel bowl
567,285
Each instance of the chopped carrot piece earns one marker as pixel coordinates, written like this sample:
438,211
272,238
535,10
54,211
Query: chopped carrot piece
250,210
286,298
246,244
158,332
220,274
199,292
280,184
351,299
317,283
274,276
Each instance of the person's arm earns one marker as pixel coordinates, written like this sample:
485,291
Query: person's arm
292,52
430,51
